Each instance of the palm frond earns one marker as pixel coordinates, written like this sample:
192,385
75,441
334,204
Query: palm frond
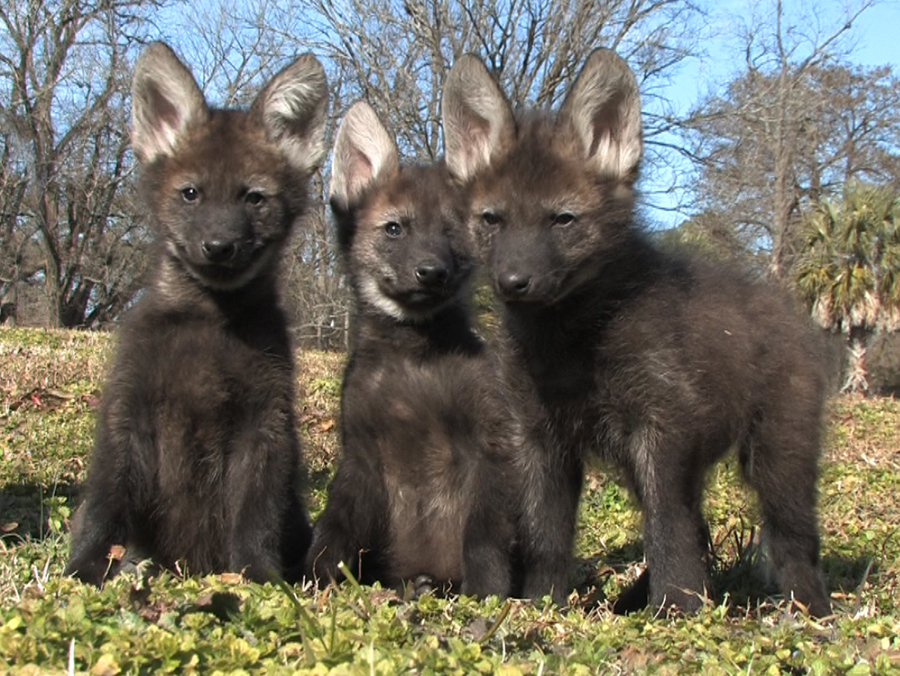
848,273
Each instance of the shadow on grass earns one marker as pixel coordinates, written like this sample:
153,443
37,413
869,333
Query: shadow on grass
747,583
29,511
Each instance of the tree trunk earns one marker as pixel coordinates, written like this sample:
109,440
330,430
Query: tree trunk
856,381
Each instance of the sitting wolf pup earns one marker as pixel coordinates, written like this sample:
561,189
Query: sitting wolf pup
659,364
424,485
196,463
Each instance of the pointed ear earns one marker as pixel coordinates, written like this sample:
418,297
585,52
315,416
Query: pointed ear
478,122
164,100
363,152
292,107
603,109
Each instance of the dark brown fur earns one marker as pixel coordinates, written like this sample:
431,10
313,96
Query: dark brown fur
423,485
658,364
196,463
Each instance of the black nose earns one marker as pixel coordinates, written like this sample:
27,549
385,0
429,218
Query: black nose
431,274
514,284
218,251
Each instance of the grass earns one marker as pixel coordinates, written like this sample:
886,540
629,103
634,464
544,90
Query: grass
221,624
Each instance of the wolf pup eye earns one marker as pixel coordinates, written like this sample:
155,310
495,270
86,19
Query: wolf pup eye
393,229
563,219
190,194
254,198
490,218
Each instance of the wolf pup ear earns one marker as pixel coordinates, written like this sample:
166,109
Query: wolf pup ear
603,109
164,100
292,106
478,121
363,152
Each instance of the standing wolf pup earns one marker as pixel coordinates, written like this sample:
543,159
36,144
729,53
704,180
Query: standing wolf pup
658,364
196,461
424,485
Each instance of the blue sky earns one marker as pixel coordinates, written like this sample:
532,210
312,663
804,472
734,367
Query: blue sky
879,36
874,41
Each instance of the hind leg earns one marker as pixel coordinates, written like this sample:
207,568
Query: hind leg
352,528
114,496
95,529
296,536
780,461
635,597
794,546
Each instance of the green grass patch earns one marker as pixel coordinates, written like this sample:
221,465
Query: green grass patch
51,385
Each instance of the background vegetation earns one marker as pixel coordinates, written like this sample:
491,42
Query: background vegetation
49,389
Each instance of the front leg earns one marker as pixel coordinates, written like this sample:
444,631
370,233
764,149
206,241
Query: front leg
254,550
552,487
489,534
675,534
259,493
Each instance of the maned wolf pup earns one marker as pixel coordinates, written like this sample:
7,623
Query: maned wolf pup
423,486
196,459
656,363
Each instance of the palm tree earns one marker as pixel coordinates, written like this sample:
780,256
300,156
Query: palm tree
849,270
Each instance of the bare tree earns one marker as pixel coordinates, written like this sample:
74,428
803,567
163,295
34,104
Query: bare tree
13,239
396,54
856,135
64,80
71,226
794,126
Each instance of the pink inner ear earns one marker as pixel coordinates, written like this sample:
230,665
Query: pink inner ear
473,147
163,111
359,173
481,139
606,125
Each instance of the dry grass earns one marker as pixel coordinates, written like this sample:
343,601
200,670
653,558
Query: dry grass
864,430
318,387
34,365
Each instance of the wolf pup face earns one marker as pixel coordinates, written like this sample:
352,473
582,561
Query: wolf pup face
225,186
571,176
400,228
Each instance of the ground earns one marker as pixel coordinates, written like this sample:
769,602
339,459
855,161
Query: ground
50,384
